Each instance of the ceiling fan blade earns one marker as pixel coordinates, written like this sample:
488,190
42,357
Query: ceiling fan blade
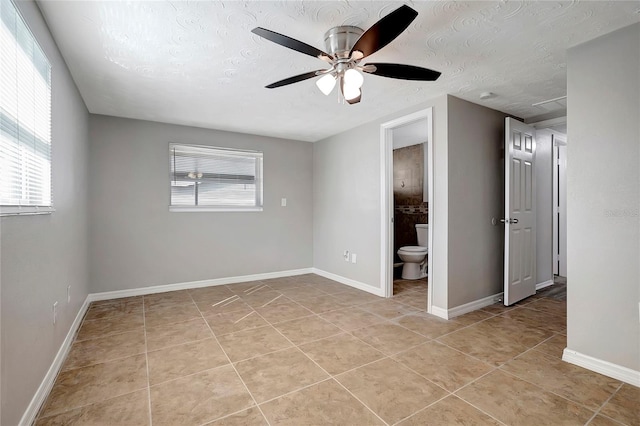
403,72
294,79
291,43
384,31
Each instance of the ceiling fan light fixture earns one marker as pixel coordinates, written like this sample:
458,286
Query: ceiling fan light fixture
352,78
326,83
351,92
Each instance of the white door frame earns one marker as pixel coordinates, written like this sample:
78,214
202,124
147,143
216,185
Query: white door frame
559,217
386,199
558,139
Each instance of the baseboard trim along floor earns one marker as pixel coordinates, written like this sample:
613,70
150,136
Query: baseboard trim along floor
606,368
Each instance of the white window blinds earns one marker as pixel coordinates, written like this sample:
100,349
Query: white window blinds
206,178
25,118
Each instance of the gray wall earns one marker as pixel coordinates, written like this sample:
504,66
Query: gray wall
603,197
346,203
476,195
41,255
544,205
468,192
136,242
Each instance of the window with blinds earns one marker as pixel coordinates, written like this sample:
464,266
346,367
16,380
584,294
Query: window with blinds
205,178
25,118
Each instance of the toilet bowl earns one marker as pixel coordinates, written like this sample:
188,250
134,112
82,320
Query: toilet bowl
415,257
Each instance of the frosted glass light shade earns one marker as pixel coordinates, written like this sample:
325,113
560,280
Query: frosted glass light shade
326,83
353,78
350,92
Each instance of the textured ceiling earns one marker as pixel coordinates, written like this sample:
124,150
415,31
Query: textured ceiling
197,63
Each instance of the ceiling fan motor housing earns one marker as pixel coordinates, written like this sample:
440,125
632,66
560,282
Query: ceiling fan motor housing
340,40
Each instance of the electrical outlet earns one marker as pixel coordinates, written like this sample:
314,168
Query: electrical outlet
346,255
55,312
69,293
353,258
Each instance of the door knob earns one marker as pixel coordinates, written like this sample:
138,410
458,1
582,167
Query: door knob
514,221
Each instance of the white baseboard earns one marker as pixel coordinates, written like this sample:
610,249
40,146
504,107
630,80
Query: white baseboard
439,312
348,281
29,416
473,306
607,368
195,284
544,284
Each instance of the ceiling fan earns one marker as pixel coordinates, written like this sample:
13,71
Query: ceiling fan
347,46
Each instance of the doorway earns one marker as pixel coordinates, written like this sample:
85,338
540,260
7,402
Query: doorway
559,205
548,202
551,167
387,254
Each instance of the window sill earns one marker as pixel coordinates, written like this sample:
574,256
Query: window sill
24,211
185,209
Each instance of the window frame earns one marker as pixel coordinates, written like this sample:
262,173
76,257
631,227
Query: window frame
34,209
259,198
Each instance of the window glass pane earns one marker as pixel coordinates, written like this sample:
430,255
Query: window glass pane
25,114
204,176
212,193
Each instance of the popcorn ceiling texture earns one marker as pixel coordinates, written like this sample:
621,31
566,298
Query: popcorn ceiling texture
197,63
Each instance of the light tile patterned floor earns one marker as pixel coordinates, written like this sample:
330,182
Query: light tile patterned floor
309,351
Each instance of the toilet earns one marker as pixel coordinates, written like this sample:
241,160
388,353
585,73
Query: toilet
415,257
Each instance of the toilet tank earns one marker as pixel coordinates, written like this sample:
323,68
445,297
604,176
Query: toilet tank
422,229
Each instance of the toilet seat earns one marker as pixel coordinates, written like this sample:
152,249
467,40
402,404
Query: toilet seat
414,249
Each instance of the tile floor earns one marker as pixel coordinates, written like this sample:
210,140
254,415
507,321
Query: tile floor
309,351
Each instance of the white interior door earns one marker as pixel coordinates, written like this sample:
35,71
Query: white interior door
559,206
520,219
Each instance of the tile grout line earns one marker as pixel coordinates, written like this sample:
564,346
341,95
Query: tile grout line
495,368
39,415
422,409
471,403
79,407
605,403
146,356
226,416
534,348
266,401
331,377
391,357
464,353
453,393
234,369
120,358
189,375
44,403
580,404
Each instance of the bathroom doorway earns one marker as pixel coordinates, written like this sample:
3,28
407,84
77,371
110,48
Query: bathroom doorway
407,182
